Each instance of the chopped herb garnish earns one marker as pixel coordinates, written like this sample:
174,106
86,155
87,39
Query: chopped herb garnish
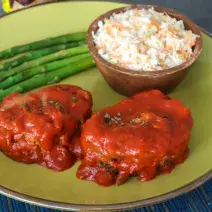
139,120
114,171
105,164
81,120
114,159
107,118
117,118
114,120
53,102
23,136
74,99
58,105
25,106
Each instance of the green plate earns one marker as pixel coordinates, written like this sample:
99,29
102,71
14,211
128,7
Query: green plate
38,185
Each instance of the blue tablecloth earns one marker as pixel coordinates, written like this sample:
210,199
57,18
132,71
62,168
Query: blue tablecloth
198,200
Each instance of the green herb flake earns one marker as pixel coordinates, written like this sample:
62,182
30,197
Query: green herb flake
107,118
74,99
114,159
53,102
58,105
25,106
144,123
104,164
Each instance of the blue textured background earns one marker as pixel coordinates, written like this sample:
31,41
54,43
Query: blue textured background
198,200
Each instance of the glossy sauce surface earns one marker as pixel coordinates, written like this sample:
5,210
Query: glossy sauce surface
39,127
141,136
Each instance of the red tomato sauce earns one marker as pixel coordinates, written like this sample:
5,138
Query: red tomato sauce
39,127
141,136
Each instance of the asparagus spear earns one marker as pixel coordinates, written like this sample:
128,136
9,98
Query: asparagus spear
48,58
49,77
42,44
37,54
40,69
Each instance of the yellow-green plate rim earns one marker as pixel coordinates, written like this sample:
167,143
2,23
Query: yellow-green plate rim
100,207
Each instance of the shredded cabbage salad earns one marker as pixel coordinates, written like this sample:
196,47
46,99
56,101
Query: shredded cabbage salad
144,39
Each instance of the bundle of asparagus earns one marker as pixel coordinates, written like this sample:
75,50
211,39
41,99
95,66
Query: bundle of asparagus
42,44
42,60
42,65
39,53
12,80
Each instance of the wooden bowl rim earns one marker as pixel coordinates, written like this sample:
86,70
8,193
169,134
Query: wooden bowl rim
187,21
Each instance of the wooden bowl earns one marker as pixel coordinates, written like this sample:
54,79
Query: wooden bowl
127,81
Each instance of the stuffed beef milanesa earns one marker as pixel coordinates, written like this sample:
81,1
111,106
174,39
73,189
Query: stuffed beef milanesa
39,127
142,136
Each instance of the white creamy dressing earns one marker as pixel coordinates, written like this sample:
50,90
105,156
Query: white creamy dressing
143,39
